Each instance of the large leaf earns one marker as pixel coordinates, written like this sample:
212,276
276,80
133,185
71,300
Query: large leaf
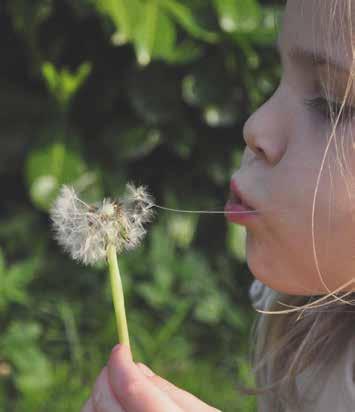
124,14
150,25
165,38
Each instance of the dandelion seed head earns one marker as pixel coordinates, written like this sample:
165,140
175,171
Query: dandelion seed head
85,231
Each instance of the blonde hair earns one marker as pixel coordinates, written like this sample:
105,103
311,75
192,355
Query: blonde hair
306,334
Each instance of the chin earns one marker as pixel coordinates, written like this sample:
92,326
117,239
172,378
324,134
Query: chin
271,271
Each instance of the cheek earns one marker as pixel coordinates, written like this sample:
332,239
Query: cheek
282,258
281,251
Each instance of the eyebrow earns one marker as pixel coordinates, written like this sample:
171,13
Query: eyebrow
316,58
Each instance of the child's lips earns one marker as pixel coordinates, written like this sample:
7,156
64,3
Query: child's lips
237,209
236,197
237,213
234,200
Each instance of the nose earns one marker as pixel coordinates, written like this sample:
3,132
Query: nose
265,132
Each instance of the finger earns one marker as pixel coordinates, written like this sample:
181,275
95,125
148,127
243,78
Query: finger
182,398
134,390
88,407
103,398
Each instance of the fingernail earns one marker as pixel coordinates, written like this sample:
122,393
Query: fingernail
116,348
125,351
147,372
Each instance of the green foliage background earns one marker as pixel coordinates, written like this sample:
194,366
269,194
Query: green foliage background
95,93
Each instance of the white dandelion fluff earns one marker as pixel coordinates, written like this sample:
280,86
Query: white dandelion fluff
85,230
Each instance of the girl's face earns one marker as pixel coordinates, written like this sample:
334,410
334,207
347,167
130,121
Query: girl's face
287,151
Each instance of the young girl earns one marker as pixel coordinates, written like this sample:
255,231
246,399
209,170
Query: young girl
297,176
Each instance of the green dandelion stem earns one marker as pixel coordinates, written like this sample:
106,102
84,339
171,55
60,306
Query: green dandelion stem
117,295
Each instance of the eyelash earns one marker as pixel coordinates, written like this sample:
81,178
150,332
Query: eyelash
322,106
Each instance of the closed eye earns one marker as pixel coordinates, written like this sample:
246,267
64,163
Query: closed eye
330,110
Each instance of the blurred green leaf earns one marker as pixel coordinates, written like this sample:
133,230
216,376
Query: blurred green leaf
221,116
124,14
210,309
147,31
241,16
265,31
165,36
184,16
19,346
63,84
162,249
173,324
185,52
149,25
67,314
154,296
236,241
49,167
182,228
14,280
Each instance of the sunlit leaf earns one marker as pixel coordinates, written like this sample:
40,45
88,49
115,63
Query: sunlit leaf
165,38
241,16
265,31
124,14
146,32
221,116
64,84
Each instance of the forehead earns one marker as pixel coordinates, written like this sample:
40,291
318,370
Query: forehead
321,25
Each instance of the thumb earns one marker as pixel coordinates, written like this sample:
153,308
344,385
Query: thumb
133,390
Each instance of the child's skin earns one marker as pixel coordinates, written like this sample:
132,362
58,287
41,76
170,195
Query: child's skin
286,141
